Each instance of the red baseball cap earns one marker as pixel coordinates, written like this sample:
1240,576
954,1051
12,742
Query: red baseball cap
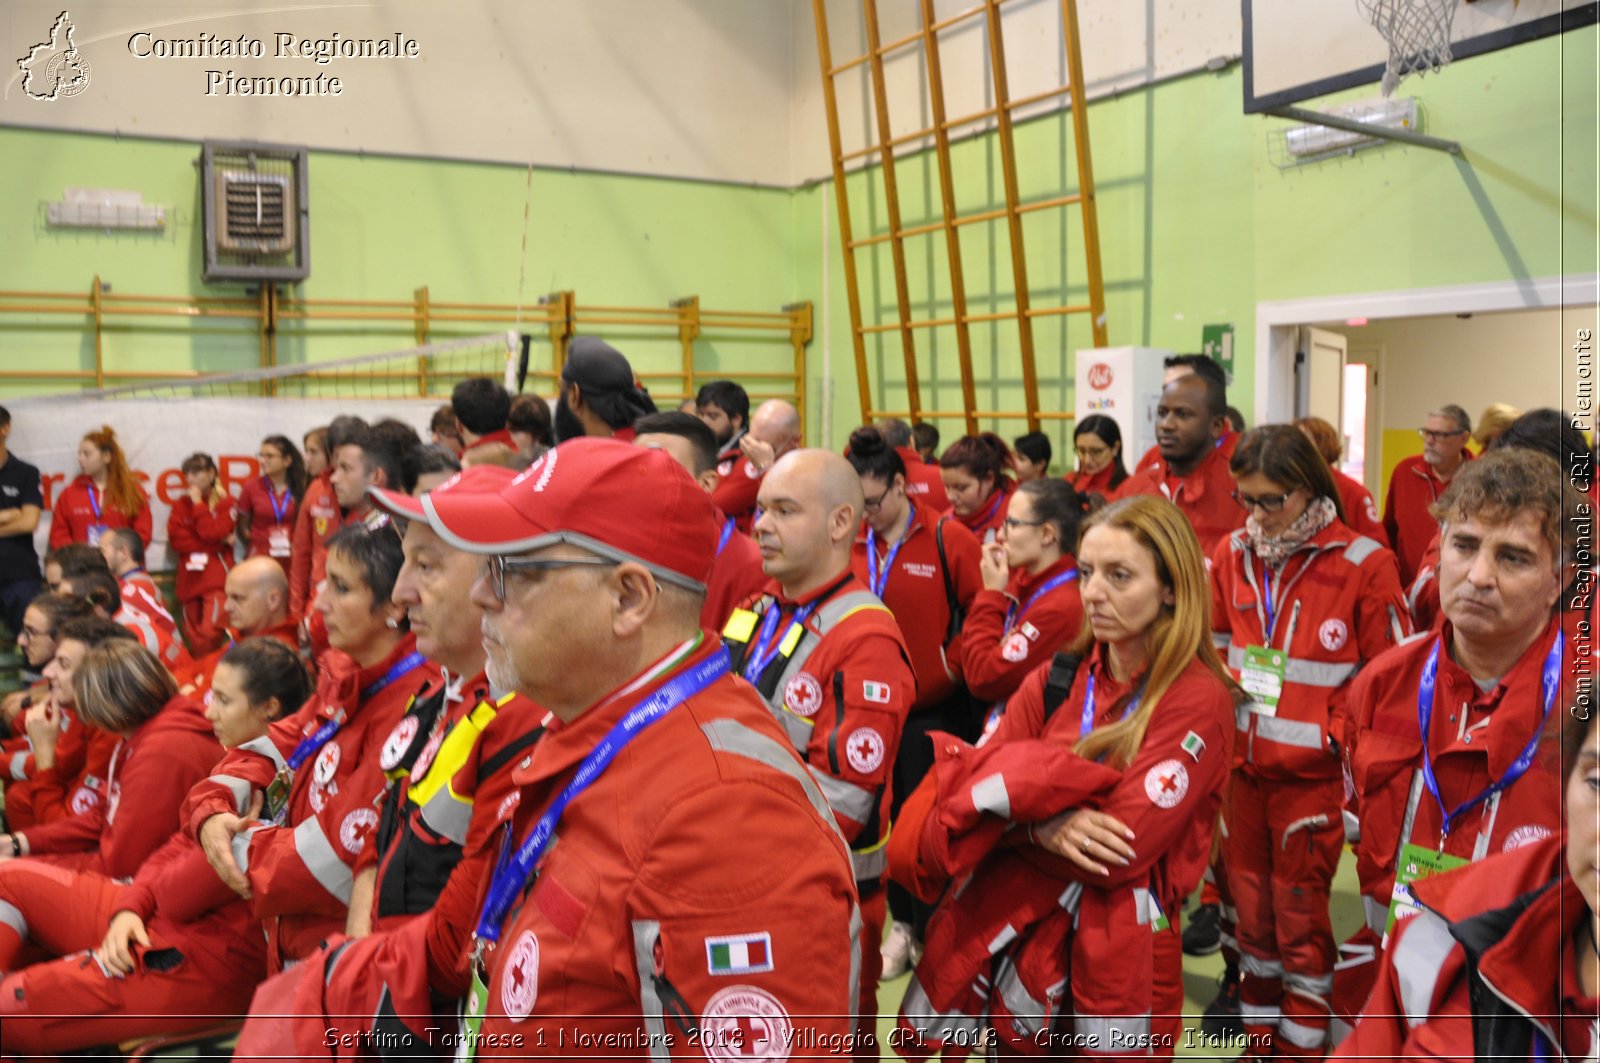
608,497
475,479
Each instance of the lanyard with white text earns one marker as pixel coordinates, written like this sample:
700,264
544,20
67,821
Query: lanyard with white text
315,741
278,513
513,874
877,582
764,648
1013,614
1551,676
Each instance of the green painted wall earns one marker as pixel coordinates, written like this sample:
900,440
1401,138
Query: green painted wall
1197,225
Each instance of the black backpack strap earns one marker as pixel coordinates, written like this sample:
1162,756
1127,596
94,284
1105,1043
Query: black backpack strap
1058,684
510,750
956,616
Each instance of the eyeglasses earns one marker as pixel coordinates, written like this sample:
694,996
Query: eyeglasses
1091,453
1265,503
496,567
32,633
1018,522
1431,436
872,505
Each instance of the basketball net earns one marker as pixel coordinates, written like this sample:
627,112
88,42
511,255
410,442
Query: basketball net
1418,32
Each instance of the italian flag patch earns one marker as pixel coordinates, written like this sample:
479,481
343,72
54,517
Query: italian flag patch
741,954
1193,745
878,692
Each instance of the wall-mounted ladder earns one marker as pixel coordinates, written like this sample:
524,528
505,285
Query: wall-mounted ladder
896,234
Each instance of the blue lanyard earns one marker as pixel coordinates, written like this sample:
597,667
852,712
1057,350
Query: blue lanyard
277,513
877,582
512,875
764,647
1051,584
1266,601
1519,767
1087,724
727,533
994,507
94,502
320,737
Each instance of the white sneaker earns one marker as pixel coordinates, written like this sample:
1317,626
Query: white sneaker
897,952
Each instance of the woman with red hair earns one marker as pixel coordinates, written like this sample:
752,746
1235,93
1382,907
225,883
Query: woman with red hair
975,478
105,495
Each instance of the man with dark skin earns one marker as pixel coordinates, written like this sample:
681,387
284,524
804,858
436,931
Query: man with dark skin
1192,473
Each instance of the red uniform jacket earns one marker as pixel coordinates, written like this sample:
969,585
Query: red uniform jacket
75,784
270,535
841,685
915,594
1005,638
735,575
141,596
1473,739
1205,496
984,523
73,514
1422,597
197,535
1151,459
1335,604
300,872
1024,911
197,677
159,638
150,772
924,484
1360,512
185,906
1502,930
502,436
1094,483
738,483
314,524
1412,489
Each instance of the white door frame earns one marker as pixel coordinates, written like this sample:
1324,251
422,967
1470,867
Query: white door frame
1276,321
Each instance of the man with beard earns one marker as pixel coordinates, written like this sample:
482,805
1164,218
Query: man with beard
725,408
600,396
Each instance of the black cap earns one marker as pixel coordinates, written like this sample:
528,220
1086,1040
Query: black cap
596,366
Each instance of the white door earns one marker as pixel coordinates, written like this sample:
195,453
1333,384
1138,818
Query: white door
1367,357
1319,375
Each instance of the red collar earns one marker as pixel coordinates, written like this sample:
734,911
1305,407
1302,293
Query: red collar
1511,719
839,583
1195,483
501,436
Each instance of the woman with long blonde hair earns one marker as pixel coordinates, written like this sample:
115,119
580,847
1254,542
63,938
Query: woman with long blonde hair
105,495
1083,819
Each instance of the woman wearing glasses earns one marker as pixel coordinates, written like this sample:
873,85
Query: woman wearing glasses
303,809
269,503
1097,441
1300,601
1029,606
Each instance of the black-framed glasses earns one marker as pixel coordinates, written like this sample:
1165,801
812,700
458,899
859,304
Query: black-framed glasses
1431,436
872,505
496,567
1018,522
1265,503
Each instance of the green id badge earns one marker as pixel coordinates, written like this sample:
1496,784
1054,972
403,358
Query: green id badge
472,1016
275,806
1160,922
1416,863
1262,677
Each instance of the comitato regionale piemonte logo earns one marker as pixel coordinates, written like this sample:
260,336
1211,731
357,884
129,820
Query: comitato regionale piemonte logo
55,69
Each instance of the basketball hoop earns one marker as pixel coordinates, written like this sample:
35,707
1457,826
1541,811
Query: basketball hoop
1418,32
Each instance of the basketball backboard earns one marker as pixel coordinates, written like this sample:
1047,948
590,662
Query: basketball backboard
1295,50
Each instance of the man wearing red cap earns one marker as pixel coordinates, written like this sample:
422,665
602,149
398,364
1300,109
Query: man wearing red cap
699,901
829,658
736,574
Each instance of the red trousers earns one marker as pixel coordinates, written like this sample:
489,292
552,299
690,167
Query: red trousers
70,1003
1283,843
874,909
205,625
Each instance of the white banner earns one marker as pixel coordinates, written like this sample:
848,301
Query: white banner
158,434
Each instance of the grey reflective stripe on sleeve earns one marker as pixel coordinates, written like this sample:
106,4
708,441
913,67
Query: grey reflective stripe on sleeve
1315,986
869,865
1396,629
798,728
320,858
1289,732
854,987
241,848
1027,1014
11,916
731,736
1299,670
1418,957
952,1027
833,611
1301,1036
1259,967
1070,897
1361,549
989,795
447,815
846,799
1241,716
236,787
1007,935
1259,1014
1128,1034
263,746
645,934
1223,642
19,764
1377,915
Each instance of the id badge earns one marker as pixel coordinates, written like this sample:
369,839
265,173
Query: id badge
1416,863
1159,920
472,1013
197,562
275,809
1262,678
95,532
278,543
